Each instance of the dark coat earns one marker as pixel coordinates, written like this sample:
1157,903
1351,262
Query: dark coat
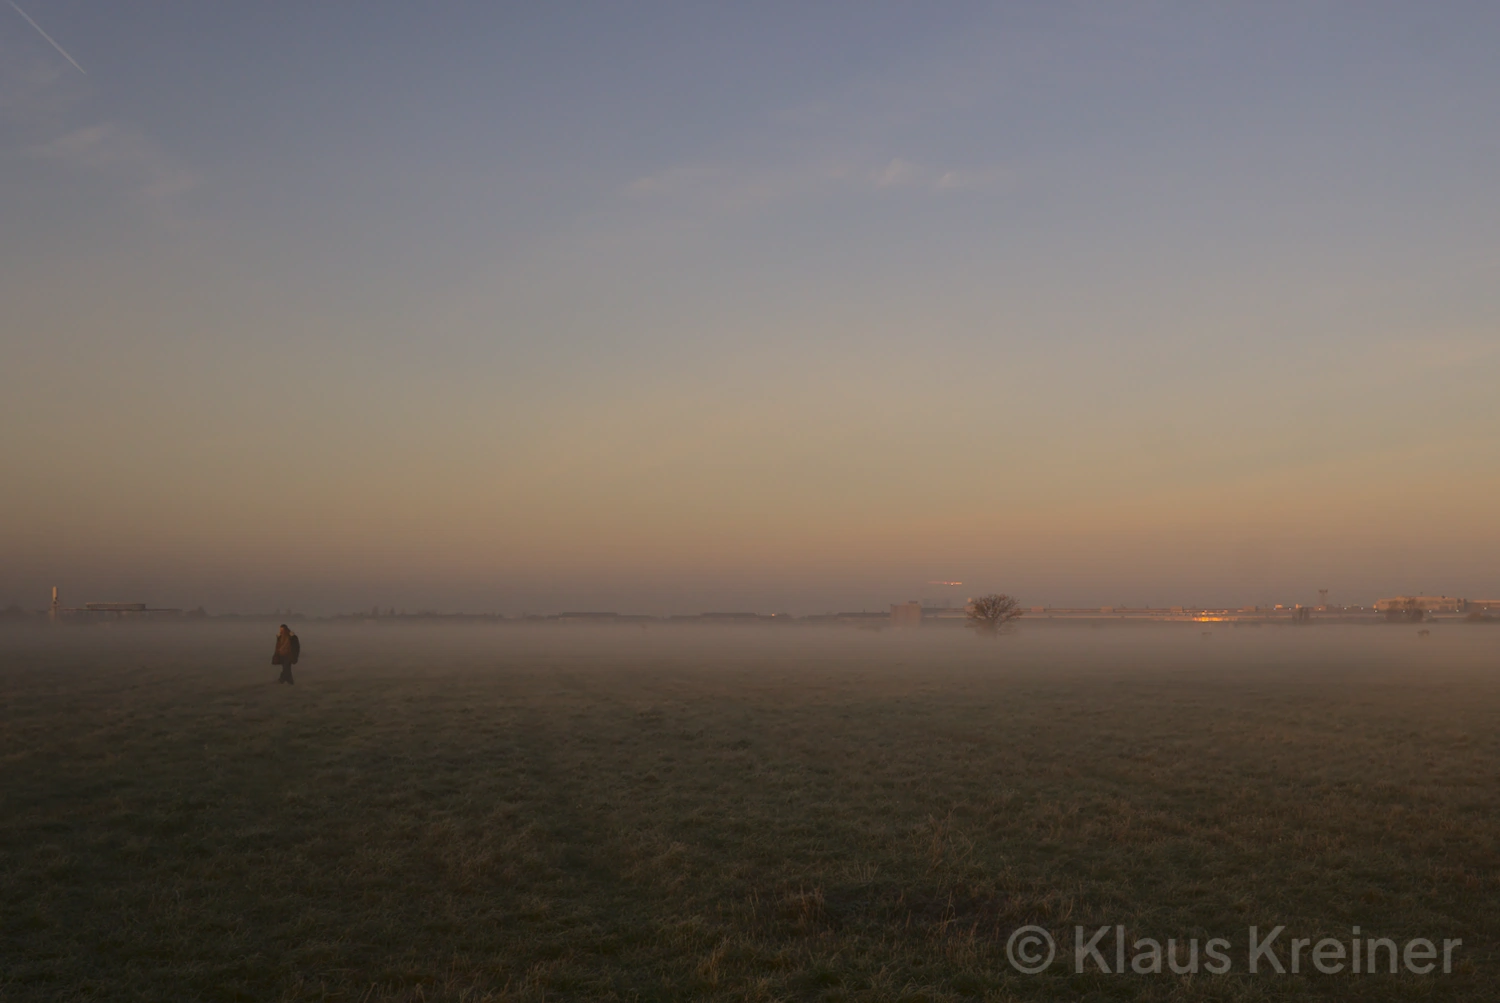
287,649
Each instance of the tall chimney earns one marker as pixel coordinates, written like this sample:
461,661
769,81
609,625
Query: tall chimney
52,612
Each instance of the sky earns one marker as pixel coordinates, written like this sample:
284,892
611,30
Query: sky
788,307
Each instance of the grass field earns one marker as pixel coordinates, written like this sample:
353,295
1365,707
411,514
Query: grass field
527,813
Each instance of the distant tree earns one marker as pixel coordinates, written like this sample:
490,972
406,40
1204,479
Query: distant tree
993,613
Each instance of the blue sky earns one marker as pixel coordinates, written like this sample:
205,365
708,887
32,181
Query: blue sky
792,306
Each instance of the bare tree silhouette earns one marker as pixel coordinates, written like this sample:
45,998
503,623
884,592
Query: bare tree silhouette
993,613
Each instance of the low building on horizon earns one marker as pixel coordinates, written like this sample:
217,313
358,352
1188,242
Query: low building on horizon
1427,604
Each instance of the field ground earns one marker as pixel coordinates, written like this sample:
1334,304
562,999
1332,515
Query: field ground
528,813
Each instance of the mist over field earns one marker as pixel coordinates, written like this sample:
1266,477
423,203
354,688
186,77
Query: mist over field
539,811
235,654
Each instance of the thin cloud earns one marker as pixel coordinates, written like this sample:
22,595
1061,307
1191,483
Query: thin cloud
671,181
734,188
904,174
988,179
729,189
35,89
896,174
871,135
42,106
120,149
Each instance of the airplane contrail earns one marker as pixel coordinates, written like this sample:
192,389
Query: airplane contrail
49,38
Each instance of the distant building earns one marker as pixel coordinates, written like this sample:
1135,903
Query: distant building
96,611
1427,604
907,614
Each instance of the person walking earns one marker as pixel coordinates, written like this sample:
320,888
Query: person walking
287,650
